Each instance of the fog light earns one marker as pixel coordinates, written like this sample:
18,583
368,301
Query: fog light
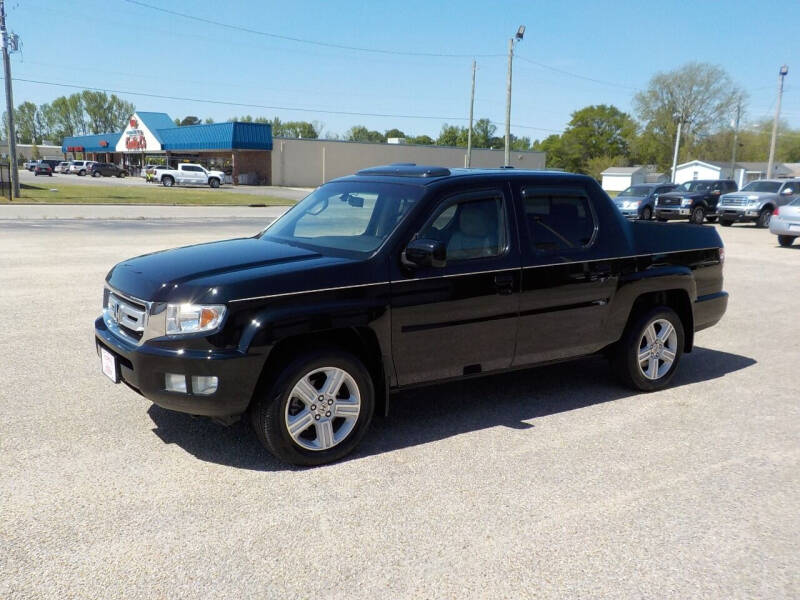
204,384
175,382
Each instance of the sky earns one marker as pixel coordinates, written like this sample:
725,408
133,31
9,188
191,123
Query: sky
574,53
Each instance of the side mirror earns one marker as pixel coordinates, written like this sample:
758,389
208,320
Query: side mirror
787,191
715,192
424,253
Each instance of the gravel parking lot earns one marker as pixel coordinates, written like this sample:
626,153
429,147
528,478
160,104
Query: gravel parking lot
553,482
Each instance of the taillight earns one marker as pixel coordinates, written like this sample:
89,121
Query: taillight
722,256
776,212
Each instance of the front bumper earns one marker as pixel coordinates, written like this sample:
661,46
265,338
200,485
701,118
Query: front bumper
143,368
676,212
737,213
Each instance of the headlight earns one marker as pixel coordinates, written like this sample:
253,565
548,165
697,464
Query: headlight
631,204
751,198
686,201
193,318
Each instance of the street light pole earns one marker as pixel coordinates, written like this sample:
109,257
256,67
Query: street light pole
781,74
518,37
471,106
735,140
12,133
677,146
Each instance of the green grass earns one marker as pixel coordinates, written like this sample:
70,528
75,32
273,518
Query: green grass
60,193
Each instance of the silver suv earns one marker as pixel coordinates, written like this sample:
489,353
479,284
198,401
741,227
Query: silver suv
756,201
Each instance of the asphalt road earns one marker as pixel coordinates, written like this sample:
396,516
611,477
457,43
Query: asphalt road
554,482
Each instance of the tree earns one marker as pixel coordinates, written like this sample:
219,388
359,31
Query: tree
209,121
28,121
699,95
422,140
452,135
394,133
359,133
483,131
190,120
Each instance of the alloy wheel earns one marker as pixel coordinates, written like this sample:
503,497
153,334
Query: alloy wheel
658,348
323,408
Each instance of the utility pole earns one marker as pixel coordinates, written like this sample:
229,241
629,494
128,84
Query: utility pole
677,145
781,74
471,107
518,37
12,133
735,138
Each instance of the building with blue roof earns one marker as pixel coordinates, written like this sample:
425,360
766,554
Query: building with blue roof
240,149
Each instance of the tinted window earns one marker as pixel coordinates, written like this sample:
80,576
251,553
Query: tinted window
762,186
558,219
636,190
472,226
354,217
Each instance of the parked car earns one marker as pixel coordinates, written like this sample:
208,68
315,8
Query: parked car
52,162
694,200
189,174
78,167
63,167
107,170
43,168
638,201
756,201
785,222
31,165
399,276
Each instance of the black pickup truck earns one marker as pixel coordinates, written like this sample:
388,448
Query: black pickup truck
399,276
694,200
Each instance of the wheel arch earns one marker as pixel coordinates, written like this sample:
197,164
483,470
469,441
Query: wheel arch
678,300
362,342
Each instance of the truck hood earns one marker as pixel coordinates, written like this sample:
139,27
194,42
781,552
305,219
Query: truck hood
215,271
620,200
753,195
684,195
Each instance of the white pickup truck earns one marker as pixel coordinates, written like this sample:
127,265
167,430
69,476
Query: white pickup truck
189,174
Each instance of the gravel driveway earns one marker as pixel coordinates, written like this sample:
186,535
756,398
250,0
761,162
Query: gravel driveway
553,482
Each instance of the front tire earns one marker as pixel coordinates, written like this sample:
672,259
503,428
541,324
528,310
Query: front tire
82,172
650,350
213,182
698,215
786,240
712,219
725,222
167,181
763,218
96,174
647,213
317,410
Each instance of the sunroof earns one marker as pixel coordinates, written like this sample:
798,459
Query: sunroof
406,170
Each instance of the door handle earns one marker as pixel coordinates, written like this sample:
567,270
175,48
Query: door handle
504,284
600,271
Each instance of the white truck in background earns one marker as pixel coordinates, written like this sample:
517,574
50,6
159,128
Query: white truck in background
189,174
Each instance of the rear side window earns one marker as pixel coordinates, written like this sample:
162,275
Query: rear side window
558,219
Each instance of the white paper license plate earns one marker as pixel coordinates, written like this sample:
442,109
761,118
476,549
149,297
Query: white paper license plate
109,364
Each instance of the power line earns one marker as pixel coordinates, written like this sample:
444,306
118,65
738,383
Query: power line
575,75
264,106
303,40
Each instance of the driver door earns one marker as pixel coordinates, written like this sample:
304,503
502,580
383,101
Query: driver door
460,319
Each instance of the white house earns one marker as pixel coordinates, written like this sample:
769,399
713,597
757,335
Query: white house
616,179
743,172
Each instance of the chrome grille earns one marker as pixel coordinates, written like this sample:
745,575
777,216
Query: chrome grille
662,201
128,315
734,201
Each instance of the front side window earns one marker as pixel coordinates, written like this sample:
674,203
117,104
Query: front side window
558,219
762,186
350,216
471,225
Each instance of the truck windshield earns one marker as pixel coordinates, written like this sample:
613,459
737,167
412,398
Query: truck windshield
696,186
636,190
351,216
762,186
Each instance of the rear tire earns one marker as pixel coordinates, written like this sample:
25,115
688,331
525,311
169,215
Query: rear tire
711,219
96,174
82,172
763,218
648,341
698,215
167,181
786,240
278,404
725,222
